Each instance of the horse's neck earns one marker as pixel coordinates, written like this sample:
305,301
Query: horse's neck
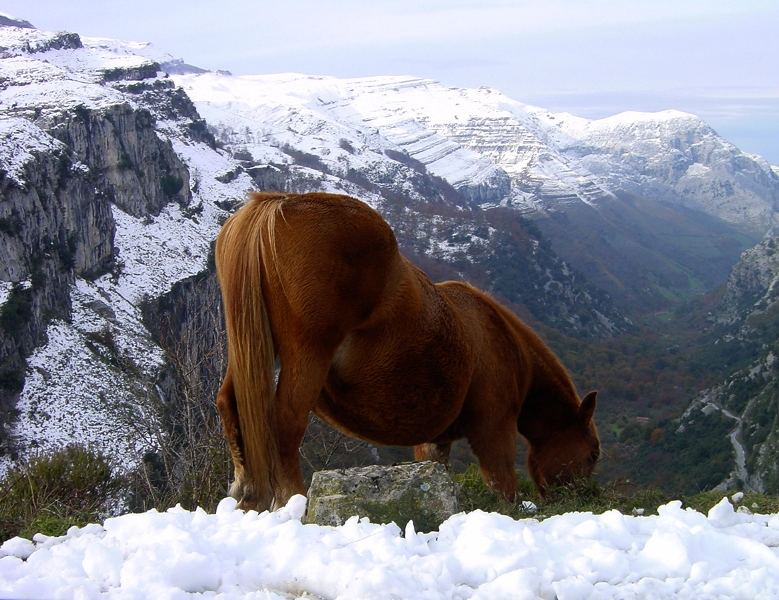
551,402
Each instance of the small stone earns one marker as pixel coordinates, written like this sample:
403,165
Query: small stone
528,506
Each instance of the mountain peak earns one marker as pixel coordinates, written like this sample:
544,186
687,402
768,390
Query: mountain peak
632,116
7,20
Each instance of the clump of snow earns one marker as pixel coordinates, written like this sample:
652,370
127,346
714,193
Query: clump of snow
697,170
678,553
528,506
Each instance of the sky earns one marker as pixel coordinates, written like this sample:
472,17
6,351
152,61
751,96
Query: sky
718,59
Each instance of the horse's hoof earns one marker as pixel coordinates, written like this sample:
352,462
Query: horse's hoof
244,493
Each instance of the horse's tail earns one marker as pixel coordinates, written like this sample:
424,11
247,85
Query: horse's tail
245,247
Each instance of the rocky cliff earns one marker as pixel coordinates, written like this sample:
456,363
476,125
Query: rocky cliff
54,226
746,330
101,214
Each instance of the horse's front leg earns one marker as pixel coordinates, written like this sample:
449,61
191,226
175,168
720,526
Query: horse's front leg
495,445
435,452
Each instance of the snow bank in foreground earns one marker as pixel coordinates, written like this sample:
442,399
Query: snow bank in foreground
231,554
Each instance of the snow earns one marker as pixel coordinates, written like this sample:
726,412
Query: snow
76,395
476,137
19,139
678,553
469,137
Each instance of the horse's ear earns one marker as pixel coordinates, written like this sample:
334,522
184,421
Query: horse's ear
587,407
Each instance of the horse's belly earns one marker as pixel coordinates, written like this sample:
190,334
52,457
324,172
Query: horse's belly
391,415
399,383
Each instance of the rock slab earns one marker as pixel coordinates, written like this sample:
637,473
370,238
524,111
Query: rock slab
422,492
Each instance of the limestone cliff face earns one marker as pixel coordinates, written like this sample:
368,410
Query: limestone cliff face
54,225
130,164
56,212
753,285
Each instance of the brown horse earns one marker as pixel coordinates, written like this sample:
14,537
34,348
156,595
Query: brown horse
370,345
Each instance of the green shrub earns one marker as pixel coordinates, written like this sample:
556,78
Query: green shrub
56,490
17,309
171,184
192,468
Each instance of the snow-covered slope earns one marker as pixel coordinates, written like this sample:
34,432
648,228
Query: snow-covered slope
678,553
648,206
677,157
480,141
100,105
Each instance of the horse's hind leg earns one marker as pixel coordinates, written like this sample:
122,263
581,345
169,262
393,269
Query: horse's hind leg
301,380
228,411
495,446
435,452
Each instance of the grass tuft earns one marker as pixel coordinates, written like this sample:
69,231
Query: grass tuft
591,496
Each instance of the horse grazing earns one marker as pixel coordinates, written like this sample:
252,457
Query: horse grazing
369,344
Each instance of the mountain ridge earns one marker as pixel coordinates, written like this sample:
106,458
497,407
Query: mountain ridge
496,151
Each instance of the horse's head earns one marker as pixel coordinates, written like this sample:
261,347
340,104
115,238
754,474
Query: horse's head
567,454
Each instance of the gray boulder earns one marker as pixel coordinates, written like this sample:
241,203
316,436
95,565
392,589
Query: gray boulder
421,492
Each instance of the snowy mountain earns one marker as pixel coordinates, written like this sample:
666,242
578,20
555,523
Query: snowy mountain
479,140
109,197
630,201
677,157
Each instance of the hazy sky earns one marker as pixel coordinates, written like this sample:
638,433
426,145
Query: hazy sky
716,58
